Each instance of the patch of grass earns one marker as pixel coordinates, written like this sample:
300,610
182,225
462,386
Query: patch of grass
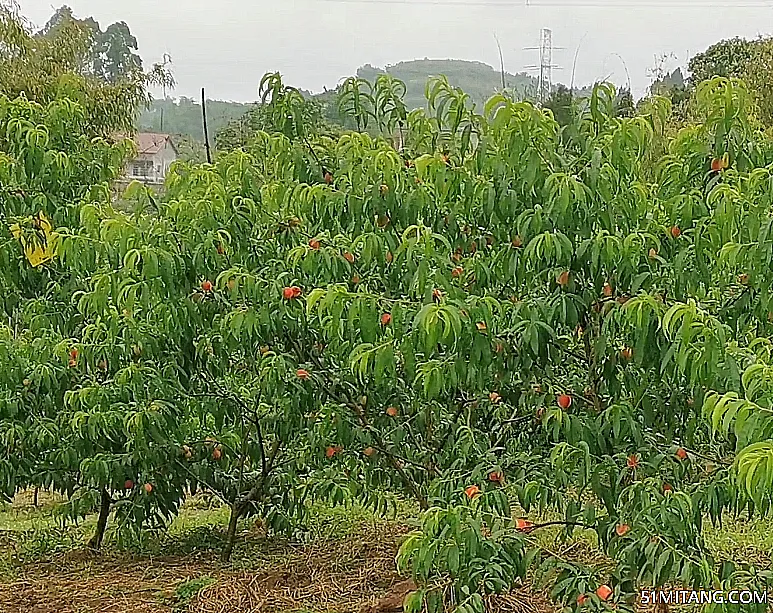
22,515
188,590
194,530
742,539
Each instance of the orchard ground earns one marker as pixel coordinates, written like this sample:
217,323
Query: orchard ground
343,563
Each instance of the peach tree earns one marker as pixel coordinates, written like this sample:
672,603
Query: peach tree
516,329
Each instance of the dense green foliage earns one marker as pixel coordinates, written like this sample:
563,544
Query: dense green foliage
281,110
492,320
65,60
750,60
476,308
112,54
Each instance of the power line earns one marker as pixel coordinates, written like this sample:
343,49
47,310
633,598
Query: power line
698,4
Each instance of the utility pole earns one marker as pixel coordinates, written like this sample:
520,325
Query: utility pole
545,65
204,121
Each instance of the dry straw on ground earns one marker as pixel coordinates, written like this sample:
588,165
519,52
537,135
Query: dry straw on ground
353,575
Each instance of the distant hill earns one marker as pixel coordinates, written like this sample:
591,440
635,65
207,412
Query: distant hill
183,117
477,79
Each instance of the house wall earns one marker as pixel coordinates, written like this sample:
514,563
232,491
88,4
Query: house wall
160,163
165,157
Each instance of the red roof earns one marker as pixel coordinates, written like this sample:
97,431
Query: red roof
152,142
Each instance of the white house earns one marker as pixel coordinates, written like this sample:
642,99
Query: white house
155,154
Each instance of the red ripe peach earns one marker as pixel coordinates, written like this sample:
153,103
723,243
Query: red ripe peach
148,488
622,529
392,411
676,232
349,257
128,484
288,293
472,491
386,319
496,477
718,164
302,374
681,453
604,592
523,525
314,244
564,401
206,286
563,278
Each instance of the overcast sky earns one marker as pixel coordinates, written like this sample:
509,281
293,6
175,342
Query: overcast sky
227,45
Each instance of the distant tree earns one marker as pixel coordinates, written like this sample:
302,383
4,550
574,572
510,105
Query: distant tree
624,103
759,78
115,53
668,82
749,60
727,58
189,149
561,104
55,62
183,116
111,55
